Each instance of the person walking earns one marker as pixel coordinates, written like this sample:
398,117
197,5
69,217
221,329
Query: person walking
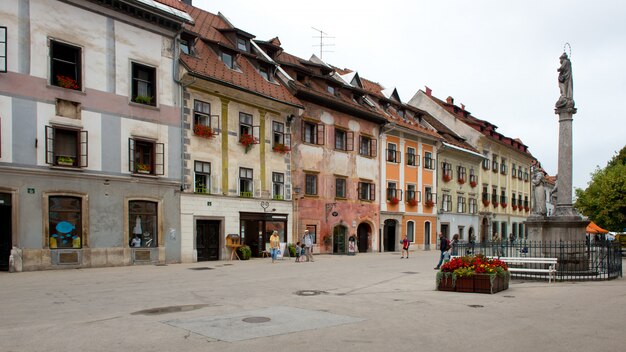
454,243
274,245
405,247
443,246
308,246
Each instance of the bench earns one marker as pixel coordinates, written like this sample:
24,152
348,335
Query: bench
514,264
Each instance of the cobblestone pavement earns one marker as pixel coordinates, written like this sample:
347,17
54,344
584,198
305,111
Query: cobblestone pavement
367,302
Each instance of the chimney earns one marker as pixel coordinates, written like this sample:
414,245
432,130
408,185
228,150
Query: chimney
429,92
450,100
463,107
188,2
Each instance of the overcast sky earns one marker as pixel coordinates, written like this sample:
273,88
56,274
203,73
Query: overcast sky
499,58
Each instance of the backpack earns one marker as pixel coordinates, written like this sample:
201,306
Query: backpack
447,244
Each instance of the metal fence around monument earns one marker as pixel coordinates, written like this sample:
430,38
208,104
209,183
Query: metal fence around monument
577,260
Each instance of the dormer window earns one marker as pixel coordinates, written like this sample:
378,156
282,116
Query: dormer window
265,73
187,43
242,44
331,90
401,113
228,60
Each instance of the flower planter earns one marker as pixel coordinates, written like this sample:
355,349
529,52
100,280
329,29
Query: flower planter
464,284
446,283
473,184
64,163
143,171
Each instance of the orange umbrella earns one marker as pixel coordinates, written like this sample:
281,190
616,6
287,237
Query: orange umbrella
593,228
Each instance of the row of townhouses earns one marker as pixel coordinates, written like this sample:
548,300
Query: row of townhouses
157,132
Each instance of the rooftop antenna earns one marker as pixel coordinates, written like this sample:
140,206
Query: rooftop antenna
323,35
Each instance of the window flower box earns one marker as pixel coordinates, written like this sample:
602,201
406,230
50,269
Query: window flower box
63,160
203,131
247,141
495,204
473,184
514,207
503,205
446,178
412,202
526,208
143,168
281,148
67,82
486,203
461,181
429,203
394,200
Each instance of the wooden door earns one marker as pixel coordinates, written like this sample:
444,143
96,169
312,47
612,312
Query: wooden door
208,240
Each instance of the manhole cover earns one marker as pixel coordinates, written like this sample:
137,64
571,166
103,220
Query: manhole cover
309,292
256,320
475,306
202,268
509,296
171,309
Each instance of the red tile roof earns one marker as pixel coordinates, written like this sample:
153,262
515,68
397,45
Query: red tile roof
484,127
206,62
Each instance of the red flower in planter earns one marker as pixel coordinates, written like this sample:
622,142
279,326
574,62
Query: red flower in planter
495,204
67,82
394,200
412,202
247,141
281,148
514,207
486,203
473,184
429,203
461,181
203,131
503,205
446,178
526,208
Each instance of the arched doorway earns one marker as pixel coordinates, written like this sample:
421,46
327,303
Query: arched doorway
389,235
339,239
363,232
427,235
470,235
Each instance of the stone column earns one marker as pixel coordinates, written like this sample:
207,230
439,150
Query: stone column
564,181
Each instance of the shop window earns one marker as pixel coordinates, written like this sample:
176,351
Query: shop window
278,186
65,65
367,146
145,157
142,223
65,222
245,182
313,133
344,140
202,177
340,187
367,191
143,84
310,181
66,147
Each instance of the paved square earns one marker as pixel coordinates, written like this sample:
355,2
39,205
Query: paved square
261,323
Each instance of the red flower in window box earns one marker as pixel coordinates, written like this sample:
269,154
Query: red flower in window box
526,208
281,148
67,82
446,178
495,204
503,205
394,200
247,141
514,207
203,131
473,184
461,181
412,202
429,203
486,203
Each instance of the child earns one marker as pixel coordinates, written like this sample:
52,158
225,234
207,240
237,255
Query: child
302,249
298,252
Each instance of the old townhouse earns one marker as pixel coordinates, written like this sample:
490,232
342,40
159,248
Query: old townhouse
237,124
90,133
503,177
335,154
407,172
457,184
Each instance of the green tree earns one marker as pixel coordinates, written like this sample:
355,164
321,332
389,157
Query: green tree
604,199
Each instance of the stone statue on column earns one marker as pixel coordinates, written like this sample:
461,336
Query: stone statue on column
566,85
539,204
